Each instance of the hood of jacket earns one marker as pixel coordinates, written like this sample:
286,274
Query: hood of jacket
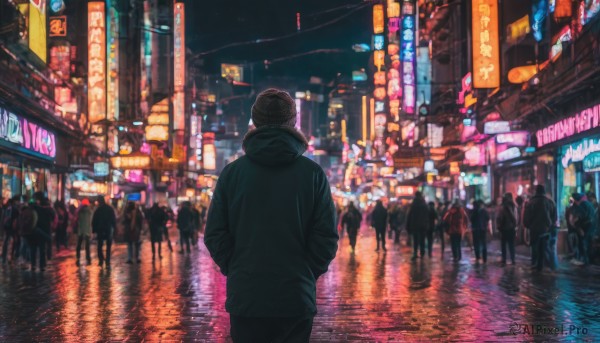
274,145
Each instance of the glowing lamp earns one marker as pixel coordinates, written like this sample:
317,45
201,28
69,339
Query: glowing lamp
522,74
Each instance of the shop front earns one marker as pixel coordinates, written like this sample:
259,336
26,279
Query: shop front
578,170
30,160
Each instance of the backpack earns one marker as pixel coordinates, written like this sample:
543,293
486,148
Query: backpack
28,219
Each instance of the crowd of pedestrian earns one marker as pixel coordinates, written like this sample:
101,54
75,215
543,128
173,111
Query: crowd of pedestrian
31,227
515,220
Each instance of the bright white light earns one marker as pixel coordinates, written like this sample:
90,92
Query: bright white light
138,123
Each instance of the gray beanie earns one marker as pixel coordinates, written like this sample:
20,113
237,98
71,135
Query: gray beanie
274,107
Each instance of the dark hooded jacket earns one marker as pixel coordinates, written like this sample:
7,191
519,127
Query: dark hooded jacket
585,214
540,214
418,216
271,226
507,219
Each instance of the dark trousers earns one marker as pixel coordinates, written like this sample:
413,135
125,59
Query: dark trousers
508,239
130,247
352,233
480,244
14,250
273,330
61,238
418,242
455,241
80,240
585,246
442,239
101,256
159,249
184,238
36,244
166,234
397,235
429,238
543,251
380,234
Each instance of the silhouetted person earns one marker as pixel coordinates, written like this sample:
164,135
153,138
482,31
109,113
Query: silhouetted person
457,221
351,222
157,220
479,225
507,225
185,224
133,222
379,222
433,219
104,222
83,229
417,223
585,225
271,228
540,218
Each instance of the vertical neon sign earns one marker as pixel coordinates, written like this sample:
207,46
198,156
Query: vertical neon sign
96,62
112,86
179,67
486,45
407,56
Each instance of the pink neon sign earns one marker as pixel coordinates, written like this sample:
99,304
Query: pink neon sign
27,135
585,120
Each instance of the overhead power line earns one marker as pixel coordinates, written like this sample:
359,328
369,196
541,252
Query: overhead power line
274,39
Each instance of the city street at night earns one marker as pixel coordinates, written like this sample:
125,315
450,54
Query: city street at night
369,297
281,145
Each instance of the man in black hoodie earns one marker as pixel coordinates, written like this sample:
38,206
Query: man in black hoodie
271,228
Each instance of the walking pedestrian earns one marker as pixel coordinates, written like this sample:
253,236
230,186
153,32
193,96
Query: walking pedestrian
540,219
433,219
507,225
585,225
83,227
133,222
104,222
170,218
442,226
157,220
42,234
272,213
520,201
457,220
185,224
10,216
417,223
62,225
351,221
379,222
479,225
196,224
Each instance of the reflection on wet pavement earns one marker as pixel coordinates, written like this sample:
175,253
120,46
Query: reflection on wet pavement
369,296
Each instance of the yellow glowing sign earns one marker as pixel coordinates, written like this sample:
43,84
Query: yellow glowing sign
486,53
522,74
58,26
209,159
130,162
96,62
379,78
378,58
157,133
517,30
378,22
90,187
37,28
158,119
454,168
393,9
563,9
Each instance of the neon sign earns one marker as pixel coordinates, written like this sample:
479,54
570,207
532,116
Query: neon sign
495,127
179,67
517,138
408,60
577,152
486,51
96,62
26,135
509,154
585,120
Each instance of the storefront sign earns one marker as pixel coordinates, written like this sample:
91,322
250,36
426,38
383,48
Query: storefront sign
585,120
496,127
508,154
516,138
130,162
96,62
475,156
26,135
58,26
378,24
179,67
404,191
577,152
408,162
517,30
486,52
90,188
408,56
591,163
101,169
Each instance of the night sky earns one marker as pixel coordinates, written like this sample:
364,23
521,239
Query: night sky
213,24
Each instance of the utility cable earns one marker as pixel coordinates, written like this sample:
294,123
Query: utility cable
273,39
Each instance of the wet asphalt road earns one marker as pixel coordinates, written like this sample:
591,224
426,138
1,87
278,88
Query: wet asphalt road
366,297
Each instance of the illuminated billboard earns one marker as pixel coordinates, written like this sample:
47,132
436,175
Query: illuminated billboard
378,24
407,56
486,53
37,28
112,58
179,67
96,62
